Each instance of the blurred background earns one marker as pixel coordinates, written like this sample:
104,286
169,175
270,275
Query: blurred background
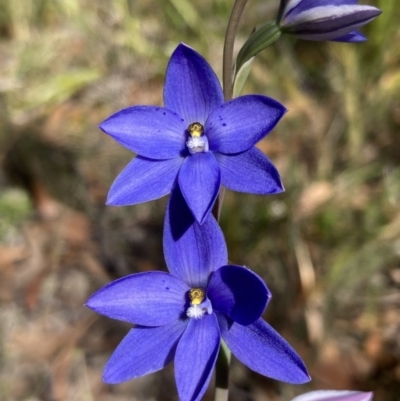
328,248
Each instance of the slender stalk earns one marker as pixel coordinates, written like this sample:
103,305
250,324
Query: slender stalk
222,373
224,356
227,74
227,67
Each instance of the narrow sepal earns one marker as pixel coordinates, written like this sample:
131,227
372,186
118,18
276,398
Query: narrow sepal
199,179
263,350
195,357
143,350
192,251
143,180
191,87
238,125
150,131
250,172
149,299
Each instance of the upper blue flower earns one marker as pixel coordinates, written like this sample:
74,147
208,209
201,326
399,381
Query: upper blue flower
183,315
336,20
196,139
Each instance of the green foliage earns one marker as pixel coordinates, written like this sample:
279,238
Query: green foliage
15,207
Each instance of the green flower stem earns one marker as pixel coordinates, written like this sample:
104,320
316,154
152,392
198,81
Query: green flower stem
227,67
227,74
222,373
224,356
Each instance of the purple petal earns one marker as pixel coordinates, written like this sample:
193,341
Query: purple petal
198,251
191,87
143,180
199,179
143,350
239,124
295,7
263,350
238,293
329,22
178,218
195,357
352,37
149,299
333,395
153,132
249,172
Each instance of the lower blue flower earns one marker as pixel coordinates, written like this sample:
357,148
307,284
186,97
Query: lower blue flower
182,315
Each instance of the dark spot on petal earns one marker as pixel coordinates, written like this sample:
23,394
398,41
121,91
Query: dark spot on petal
167,288
164,113
224,125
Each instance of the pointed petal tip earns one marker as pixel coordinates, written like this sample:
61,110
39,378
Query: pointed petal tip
202,218
111,201
183,45
110,378
91,302
378,11
307,379
103,126
100,126
107,378
301,378
199,180
279,189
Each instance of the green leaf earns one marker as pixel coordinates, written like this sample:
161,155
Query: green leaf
260,39
241,77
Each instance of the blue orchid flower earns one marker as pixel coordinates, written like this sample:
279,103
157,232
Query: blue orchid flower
196,140
182,315
337,20
334,395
